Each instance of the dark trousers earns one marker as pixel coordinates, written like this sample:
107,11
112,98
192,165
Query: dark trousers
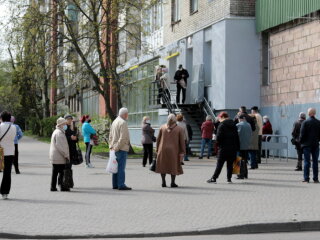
88,152
221,159
308,152
243,164
16,158
259,151
57,173
147,153
6,178
300,155
179,89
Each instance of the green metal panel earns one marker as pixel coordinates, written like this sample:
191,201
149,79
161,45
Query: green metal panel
271,13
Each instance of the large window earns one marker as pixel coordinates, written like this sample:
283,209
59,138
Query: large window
194,6
90,103
136,93
153,18
175,10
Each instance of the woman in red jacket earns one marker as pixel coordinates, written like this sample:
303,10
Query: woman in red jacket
266,129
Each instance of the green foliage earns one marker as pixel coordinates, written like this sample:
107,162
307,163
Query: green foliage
48,125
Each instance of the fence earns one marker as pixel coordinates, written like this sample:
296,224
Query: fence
275,143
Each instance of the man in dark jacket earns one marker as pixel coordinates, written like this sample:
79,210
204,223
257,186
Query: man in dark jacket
250,120
181,78
229,145
295,139
309,140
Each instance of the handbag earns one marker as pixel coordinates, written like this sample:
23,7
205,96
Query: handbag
77,158
94,140
236,166
112,166
293,141
154,164
2,150
67,180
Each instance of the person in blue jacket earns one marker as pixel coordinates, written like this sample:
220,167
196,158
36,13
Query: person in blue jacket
16,148
87,132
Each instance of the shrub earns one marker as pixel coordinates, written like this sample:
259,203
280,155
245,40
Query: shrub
48,125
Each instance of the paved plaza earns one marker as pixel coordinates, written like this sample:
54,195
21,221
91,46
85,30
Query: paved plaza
273,194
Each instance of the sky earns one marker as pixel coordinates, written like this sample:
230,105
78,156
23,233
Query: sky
4,15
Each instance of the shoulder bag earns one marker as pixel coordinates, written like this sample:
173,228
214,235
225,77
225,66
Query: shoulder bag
2,150
78,158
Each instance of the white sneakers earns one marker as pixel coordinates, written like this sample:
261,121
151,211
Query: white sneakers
89,165
4,196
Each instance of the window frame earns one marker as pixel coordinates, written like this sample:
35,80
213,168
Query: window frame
194,9
175,11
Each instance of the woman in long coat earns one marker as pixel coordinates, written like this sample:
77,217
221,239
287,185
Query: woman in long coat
170,150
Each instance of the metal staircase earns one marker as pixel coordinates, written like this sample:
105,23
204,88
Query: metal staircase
194,114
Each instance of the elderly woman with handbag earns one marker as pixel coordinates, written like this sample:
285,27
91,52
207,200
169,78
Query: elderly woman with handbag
59,156
171,148
147,140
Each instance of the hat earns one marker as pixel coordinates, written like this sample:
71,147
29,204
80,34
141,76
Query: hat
265,117
61,121
68,116
302,115
180,66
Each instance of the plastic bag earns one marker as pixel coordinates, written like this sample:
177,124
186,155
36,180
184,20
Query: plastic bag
112,166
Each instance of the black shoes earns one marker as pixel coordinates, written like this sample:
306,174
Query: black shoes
208,157
125,188
212,180
173,185
187,160
298,169
200,157
53,190
65,190
229,181
316,181
164,185
182,163
305,181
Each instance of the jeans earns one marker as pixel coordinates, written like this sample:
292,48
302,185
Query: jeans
179,89
16,158
6,178
253,160
118,179
308,152
88,152
147,153
204,142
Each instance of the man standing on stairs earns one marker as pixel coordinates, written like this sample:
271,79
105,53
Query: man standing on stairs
181,78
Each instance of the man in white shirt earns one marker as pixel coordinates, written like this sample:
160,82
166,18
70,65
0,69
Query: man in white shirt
7,135
255,111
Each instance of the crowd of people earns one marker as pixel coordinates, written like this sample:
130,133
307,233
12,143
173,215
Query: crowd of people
240,137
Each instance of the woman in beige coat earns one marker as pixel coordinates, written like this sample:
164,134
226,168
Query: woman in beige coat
170,150
59,154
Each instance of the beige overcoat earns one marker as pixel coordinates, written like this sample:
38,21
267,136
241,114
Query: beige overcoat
170,144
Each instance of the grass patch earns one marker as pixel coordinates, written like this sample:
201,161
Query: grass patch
102,149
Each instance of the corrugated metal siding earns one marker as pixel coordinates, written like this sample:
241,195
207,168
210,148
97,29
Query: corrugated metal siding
271,13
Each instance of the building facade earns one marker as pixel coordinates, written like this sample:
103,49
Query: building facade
290,61
216,41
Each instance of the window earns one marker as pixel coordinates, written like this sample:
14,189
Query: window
175,12
265,63
194,5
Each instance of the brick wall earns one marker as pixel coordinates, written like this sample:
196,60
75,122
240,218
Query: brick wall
242,7
294,66
208,13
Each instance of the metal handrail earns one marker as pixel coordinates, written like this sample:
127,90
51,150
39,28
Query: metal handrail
174,102
207,108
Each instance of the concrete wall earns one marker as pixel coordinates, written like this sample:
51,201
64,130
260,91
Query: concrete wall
242,64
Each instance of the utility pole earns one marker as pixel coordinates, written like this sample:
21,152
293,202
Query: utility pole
54,57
